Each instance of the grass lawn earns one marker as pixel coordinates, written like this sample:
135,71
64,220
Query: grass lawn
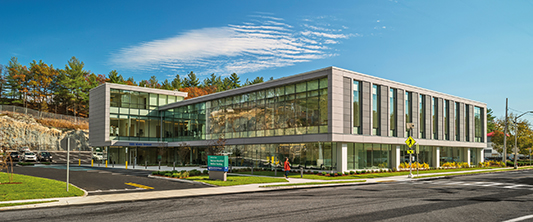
313,183
34,188
25,203
236,180
357,176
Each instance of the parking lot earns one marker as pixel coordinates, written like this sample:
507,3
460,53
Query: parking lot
98,180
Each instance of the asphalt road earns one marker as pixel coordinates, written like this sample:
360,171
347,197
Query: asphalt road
104,180
487,197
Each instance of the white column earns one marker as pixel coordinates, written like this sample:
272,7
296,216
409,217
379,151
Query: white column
342,157
437,157
468,156
397,157
481,154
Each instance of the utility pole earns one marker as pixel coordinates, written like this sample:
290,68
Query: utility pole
504,154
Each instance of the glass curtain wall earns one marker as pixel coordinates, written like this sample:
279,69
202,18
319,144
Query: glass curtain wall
422,119
467,122
133,115
478,124
392,112
451,154
434,113
368,156
446,124
376,110
294,109
356,107
457,127
408,111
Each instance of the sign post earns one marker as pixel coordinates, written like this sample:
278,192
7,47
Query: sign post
218,167
417,161
410,142
66,144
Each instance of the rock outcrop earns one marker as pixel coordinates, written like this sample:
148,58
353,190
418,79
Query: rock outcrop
17,130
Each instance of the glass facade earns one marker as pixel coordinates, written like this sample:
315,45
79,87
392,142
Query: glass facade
467,122
133,115
422,119
457,128
446,116
357,107
434,113
392,112
376,110
478,124
294,109
408,111
368,156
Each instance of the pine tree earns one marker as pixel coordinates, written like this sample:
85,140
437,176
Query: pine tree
177,82
235,82
258,80
114,77
191,80
75,88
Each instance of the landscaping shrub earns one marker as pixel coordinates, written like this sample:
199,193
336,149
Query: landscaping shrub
358,172
324,173
315,172
206,172
352,172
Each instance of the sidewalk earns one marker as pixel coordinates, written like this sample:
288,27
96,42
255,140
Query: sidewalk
153,195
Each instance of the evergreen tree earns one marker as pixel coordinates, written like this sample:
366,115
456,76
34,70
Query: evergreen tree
234,81
177,82
191,80
153,82
166,85
75,88
131,81
258,80
15,79
114,77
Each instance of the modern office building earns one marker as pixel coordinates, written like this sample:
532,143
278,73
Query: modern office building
328,119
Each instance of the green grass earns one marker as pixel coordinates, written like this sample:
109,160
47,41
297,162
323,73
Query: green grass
25,203
357,176
236,180
313,183
34,188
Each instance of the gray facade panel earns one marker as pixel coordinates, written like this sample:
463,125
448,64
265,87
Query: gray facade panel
347,100
97,120
451,119
440,117
400,113
366,93
428,117
462,122
416,115
384,106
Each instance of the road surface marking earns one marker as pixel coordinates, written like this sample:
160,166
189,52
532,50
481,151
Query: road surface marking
520,218
140,186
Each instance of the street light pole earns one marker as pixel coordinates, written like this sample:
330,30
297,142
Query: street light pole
504,154
516,138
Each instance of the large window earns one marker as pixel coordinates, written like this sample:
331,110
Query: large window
392,112
457,127
467,122
132,115
357,107
478,121
294,109
376,110
434,113
422,107
446,124
408,111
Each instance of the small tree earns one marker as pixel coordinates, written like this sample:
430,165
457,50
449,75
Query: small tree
217,146
184,151
7,164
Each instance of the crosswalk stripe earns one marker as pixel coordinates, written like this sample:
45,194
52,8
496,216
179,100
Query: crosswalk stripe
140,186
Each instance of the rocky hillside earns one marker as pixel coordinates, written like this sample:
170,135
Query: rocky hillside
18,130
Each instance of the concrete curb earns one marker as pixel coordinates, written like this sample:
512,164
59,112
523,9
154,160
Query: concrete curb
180,180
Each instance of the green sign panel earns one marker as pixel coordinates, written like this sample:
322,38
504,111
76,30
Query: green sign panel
217,163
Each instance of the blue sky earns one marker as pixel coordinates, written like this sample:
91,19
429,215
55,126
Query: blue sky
479,50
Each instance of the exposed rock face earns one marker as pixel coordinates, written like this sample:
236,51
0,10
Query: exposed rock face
21,130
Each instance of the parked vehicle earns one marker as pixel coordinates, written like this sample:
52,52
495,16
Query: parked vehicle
24,149
98,156
15,156
29,156
44,157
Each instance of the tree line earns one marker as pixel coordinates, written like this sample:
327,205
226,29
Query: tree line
66,91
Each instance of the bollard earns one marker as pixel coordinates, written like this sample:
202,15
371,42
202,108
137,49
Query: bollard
145,164
174,166
302,172
92,162
160,165
79,162
126,164
105,163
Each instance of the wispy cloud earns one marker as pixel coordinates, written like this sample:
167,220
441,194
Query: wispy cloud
261,43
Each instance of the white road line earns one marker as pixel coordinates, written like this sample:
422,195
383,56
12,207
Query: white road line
519,218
